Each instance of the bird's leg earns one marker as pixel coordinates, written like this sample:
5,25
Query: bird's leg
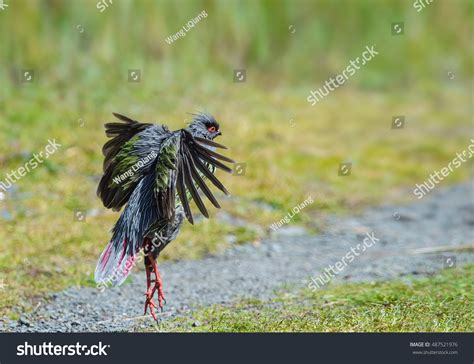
158,284
152,268
149,289
149,293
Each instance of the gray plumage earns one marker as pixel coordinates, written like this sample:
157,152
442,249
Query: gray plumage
154,173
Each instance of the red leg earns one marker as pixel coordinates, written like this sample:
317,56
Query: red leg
158,286
149,294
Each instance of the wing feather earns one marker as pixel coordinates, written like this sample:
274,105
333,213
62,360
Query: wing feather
206,172
195,163
211,143
210,153
200,182
182,194
192,188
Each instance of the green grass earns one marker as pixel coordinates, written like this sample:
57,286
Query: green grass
441,303
84,76
236,33
284,165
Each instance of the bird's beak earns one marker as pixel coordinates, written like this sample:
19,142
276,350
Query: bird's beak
219,133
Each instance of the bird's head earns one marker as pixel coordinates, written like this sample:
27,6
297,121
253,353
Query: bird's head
204,126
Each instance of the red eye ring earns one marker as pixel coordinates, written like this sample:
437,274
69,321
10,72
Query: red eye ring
212,129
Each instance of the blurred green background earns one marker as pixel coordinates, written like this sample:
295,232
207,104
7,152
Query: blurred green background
81,58
44,35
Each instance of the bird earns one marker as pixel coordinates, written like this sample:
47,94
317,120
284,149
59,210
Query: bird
153,174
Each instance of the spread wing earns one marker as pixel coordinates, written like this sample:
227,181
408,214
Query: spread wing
180,162
196,160
129,156
173,164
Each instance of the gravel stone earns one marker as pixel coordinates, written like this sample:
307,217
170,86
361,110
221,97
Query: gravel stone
283,261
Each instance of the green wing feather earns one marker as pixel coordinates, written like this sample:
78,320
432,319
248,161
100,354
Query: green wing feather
166,162
125,160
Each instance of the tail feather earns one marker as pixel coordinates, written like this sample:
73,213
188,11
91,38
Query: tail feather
120,254
112,269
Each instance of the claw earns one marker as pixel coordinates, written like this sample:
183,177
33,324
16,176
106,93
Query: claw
157,287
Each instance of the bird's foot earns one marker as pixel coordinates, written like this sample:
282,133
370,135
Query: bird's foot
150,303
161,296
157,287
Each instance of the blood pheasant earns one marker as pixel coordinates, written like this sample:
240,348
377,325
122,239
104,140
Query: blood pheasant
155,173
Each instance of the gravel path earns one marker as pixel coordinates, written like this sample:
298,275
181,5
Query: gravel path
444,218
